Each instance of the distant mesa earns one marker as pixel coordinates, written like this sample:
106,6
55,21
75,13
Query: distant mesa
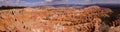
105,5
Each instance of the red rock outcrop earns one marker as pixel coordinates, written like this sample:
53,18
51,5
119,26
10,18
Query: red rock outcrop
53,19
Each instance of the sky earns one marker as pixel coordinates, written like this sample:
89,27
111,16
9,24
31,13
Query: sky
52,2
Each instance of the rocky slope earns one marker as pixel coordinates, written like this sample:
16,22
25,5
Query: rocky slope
57,19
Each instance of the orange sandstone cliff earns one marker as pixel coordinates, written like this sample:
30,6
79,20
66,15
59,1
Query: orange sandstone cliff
54,19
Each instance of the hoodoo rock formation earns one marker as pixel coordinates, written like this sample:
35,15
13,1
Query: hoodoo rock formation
55,19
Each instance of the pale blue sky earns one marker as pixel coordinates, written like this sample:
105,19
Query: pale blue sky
49,2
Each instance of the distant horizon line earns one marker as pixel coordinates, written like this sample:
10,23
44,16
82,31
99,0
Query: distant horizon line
58,4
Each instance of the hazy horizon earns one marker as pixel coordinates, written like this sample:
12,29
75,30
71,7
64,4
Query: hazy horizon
52,2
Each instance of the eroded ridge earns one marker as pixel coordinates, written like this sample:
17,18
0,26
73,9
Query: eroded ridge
60,19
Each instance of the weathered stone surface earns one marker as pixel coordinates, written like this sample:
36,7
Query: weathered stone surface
53,20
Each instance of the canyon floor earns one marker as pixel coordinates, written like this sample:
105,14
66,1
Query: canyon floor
60,19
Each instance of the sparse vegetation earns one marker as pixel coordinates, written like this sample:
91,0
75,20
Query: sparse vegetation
10,7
